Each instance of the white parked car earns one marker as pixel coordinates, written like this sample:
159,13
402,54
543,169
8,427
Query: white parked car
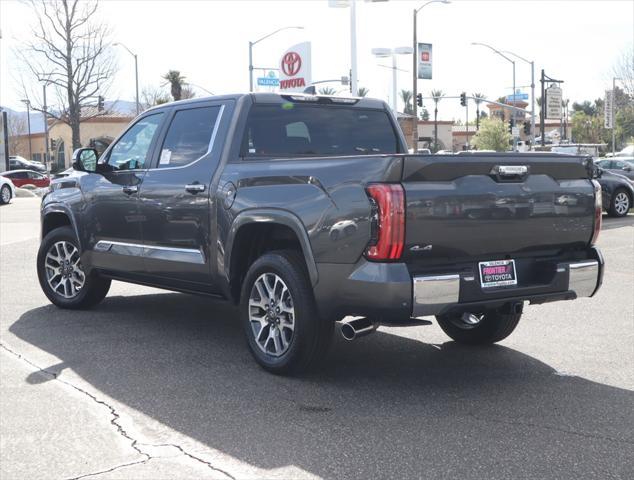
7,190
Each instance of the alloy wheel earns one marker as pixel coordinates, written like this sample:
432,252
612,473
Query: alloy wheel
621,203
6,194
63,269
271,314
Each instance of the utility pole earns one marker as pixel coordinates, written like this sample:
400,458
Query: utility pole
613,118
44,111
467,123
354,81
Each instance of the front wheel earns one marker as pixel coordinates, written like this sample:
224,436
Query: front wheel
479,329
61,275
285,333
5,194
620,204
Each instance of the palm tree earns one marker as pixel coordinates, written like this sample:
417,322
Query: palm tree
176,81
437,96
362,91
327,91
478,98
406,96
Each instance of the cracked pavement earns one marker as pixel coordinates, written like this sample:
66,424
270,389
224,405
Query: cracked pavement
153,385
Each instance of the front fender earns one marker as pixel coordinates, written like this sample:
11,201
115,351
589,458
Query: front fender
272,215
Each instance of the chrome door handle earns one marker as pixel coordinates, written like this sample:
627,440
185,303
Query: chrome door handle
195,187
130,189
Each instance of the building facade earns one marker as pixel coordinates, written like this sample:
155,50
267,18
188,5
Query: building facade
96,131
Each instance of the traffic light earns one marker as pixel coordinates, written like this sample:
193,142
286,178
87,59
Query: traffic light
419,99
511,125
53,144
100,106
463,99
527,128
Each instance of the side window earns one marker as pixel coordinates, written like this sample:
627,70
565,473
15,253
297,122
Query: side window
618,165
20,175
132,150
188,136
34,175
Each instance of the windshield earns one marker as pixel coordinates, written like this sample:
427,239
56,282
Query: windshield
292,129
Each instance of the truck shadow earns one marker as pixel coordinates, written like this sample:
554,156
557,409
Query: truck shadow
383,406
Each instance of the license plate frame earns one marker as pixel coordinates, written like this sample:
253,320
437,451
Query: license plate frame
501,274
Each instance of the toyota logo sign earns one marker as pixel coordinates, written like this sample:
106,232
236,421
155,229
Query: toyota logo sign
291,63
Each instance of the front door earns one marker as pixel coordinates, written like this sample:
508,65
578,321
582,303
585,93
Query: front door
174,198
116,242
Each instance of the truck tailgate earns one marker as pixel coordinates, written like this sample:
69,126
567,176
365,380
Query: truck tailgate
494,206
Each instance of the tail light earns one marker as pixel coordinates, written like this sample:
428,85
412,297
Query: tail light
387,229
598,212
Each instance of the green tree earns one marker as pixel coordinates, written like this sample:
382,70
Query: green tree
478,98
493,135
327,91
176,82
437,96
424,115
362,91
406,96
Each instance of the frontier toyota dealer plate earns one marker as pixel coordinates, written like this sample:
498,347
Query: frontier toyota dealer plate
498,273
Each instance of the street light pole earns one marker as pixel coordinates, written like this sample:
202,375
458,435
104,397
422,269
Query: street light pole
532,64
27,102
136,74
415,72
251,44
354,85
513,63
392,52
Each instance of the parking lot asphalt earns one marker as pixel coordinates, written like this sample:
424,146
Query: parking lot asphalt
153,384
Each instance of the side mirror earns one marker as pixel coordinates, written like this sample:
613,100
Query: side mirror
85,159
598,171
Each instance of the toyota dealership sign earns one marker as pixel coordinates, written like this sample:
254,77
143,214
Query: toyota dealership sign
295,68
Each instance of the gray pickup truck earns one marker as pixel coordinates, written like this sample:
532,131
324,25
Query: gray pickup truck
307,211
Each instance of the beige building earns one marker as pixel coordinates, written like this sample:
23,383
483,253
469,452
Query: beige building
98,131
426,132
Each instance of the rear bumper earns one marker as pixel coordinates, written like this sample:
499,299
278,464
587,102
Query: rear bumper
388,290
437,294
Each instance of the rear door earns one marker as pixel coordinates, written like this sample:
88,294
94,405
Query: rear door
490,207
174,198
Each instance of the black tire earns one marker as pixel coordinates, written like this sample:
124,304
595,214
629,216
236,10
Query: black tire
311,336
5,192
93,291
620,195
494,326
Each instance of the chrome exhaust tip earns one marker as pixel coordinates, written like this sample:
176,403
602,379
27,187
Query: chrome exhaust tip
357,328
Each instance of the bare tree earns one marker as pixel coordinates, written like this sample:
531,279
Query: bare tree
17,128
624,70
187,92
71,52
151,96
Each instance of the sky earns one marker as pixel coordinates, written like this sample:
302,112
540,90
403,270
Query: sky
207,40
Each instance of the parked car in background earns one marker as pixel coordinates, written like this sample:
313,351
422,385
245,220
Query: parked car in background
20,163
618,193
64,173
22,178
7,190
619,165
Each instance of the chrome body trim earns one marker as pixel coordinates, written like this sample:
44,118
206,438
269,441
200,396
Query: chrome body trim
583,277
173,254
433,293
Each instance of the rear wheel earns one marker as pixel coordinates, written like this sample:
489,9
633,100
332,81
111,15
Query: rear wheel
479,329
5,194
620,204
285,333
61,274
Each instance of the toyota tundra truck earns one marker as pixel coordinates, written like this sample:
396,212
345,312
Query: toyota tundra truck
307,211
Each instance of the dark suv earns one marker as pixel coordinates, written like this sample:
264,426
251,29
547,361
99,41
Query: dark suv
305,210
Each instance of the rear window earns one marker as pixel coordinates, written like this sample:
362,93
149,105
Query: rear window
292,129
